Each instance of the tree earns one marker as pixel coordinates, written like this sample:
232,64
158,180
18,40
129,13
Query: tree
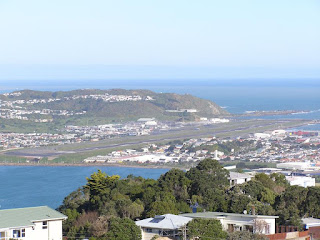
279,179
290,206
176,182
100,185
162,207
265,180
208,174
203,229
75,200
124,229
312,202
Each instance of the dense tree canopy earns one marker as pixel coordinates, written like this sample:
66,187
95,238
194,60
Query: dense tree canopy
106,201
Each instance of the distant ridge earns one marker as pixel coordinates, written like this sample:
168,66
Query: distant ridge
103,106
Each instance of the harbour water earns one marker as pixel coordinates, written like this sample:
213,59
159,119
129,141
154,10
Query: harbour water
27,186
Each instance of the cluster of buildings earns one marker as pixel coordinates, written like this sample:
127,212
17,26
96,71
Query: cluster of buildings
98,132
20,109
23,140
111,98
35,115
104,97
286,146
77,134
292,155
152,153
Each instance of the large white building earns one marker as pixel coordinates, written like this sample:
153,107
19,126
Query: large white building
34,223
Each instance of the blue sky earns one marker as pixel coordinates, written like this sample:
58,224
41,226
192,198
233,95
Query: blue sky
159,39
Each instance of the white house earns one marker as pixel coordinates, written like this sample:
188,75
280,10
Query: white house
301,181
238,178
33,223
163,225
240,222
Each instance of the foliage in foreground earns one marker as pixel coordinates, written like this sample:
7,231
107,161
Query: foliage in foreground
206,228
107,199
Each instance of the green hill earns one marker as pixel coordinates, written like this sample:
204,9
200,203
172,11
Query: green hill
89,106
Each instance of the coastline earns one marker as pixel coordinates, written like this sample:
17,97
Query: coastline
89,165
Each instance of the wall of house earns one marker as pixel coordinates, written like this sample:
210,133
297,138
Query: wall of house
29,233
235,221
272,226
40,232
55,230
149,235
243,180
246,221
37,232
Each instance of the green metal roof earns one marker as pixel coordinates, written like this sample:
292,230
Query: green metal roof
23,217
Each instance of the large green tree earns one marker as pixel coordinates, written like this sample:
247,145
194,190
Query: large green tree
208,174
203,229
176,182
124,229
100,186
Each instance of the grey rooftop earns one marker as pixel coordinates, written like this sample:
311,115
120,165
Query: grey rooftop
167,221
236,175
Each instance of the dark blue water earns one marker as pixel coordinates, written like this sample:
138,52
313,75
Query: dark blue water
27,186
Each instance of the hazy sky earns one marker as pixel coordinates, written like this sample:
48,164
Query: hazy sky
59,38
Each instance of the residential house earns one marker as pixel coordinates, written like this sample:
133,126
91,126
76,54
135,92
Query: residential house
301,181
240,222
238,178
167,225
33,223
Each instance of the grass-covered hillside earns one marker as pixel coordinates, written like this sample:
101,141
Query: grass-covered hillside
91,106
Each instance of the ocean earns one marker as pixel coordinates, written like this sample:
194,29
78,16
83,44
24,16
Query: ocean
34,186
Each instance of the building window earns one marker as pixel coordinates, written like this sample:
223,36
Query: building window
268,229
44,224
23,232
148,230
16,233
230,228
249,228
